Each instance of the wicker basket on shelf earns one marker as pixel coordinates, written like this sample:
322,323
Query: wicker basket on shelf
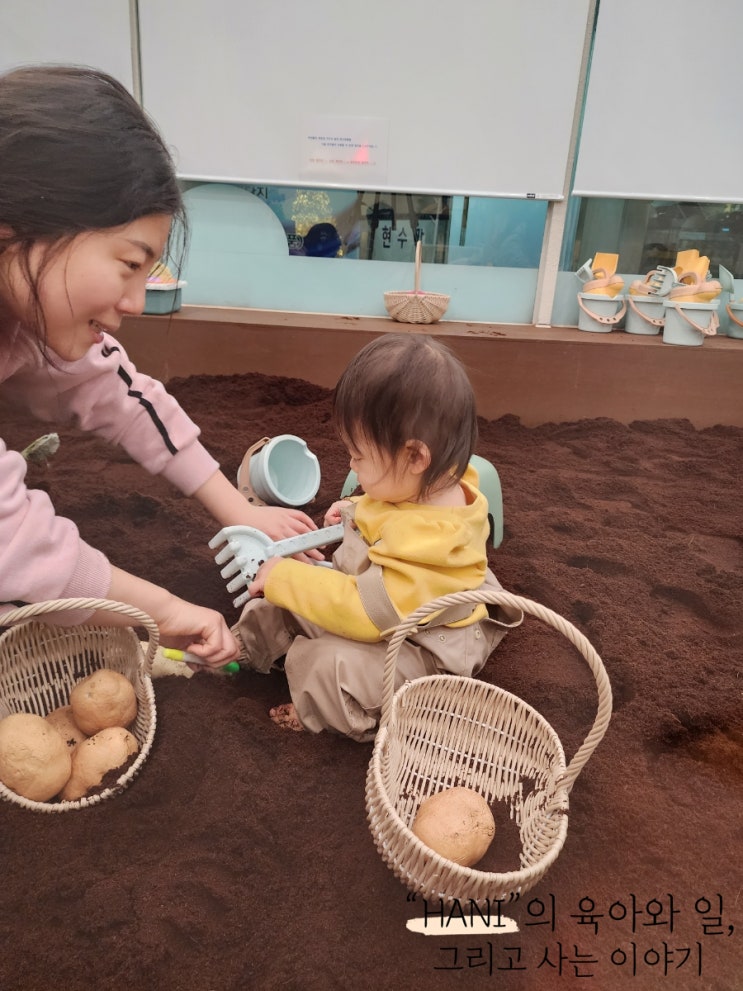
444,731
40,662
416,306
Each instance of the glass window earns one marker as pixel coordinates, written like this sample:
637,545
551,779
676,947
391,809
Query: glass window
462,230
650,233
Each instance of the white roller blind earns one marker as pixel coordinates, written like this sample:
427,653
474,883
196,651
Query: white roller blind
663,116
84,32
474,97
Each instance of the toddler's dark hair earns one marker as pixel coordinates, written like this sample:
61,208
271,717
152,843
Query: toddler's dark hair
77,153
403,387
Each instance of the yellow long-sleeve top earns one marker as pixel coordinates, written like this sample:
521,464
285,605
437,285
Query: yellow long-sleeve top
424,551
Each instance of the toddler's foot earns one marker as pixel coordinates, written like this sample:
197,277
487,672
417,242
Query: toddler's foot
286,717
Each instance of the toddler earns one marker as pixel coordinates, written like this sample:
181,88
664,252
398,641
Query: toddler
405,410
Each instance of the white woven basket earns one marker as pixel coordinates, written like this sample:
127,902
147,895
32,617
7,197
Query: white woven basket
443,731
416,306
40,663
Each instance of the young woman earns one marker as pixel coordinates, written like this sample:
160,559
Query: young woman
88,202
405,410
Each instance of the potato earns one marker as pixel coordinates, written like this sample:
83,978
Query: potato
105,698
457,823
34,759
92,759
63,721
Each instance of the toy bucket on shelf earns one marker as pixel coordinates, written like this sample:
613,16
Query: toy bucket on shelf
598,275
41,662
644,314
727,283
161,299
279,471
689,323
734,310
445,731
600,314
163,290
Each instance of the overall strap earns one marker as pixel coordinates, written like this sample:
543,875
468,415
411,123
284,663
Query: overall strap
378,605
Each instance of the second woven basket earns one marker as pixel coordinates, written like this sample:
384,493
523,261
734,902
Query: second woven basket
416,306
443,731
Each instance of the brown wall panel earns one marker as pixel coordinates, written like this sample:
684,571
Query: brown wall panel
537,374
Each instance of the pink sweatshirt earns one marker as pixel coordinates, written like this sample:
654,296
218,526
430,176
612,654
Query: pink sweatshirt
42,555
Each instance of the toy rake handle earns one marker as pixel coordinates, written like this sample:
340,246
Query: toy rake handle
306,541
574,635
137,617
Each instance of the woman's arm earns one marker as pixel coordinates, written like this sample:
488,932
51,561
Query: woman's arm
230,508
182,624
42,556
105,394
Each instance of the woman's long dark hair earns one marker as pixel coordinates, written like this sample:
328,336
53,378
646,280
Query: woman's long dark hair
77,153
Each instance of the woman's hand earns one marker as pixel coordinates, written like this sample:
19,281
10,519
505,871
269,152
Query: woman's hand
278,522
199,630
182,624
230,508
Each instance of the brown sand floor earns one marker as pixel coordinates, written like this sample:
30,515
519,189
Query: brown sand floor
240,857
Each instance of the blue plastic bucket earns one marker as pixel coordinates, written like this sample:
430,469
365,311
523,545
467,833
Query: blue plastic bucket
689,323
284,472
735,313
599,313
163,297
644,315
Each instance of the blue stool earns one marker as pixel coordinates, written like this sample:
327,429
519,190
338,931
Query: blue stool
489,486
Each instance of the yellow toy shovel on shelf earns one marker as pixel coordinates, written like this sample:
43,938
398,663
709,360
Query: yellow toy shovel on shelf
692,284
601,278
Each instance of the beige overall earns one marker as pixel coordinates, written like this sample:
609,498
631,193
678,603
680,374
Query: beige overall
336,683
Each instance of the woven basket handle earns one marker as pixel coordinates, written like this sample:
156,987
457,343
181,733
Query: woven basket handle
410,623
605,320
654,321
732,315
139,618
418,250
709,331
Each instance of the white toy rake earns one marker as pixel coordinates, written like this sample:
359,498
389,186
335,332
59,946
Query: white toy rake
244,549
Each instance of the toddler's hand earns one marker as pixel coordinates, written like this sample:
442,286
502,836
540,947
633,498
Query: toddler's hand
333,515
256,587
